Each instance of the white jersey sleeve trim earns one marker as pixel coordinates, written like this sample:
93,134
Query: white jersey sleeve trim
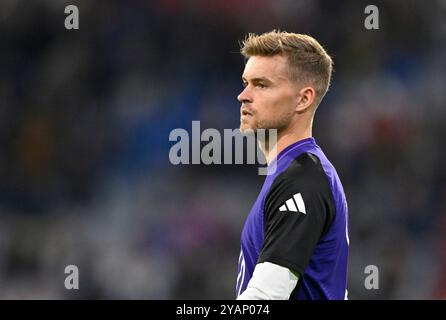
270,282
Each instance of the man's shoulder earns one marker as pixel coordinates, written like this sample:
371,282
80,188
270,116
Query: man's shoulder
306,165
302,187
304,173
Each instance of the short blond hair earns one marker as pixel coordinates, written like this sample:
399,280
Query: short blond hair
309,62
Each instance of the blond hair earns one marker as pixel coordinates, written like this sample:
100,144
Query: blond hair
309,62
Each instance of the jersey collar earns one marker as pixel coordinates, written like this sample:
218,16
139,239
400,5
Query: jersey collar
289,148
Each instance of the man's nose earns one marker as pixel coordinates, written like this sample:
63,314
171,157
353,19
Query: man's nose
244,96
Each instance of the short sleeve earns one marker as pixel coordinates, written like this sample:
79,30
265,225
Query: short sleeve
298,210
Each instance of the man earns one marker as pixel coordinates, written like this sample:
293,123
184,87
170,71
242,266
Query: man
294,243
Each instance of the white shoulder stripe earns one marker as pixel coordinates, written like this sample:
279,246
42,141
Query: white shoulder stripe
291,205
300,203
294,204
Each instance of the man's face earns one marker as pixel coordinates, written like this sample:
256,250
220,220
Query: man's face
269,98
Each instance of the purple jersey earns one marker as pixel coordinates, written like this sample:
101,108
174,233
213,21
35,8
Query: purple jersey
299,221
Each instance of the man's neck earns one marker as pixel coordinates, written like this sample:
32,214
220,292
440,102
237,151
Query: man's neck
271,149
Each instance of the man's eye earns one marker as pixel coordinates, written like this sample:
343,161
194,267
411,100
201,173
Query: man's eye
261,85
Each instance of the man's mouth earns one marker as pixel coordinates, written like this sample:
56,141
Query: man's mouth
246,113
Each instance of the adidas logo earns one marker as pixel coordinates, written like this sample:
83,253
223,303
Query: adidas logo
294,204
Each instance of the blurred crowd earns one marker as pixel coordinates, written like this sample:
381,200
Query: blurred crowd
85,117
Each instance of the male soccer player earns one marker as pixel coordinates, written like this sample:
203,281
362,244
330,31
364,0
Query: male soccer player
294,243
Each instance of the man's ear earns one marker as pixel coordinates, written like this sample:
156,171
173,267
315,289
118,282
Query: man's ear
306,98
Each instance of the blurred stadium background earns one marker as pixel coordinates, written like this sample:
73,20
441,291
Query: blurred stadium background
84,123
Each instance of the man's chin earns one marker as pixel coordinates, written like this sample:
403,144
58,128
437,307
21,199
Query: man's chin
246,130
